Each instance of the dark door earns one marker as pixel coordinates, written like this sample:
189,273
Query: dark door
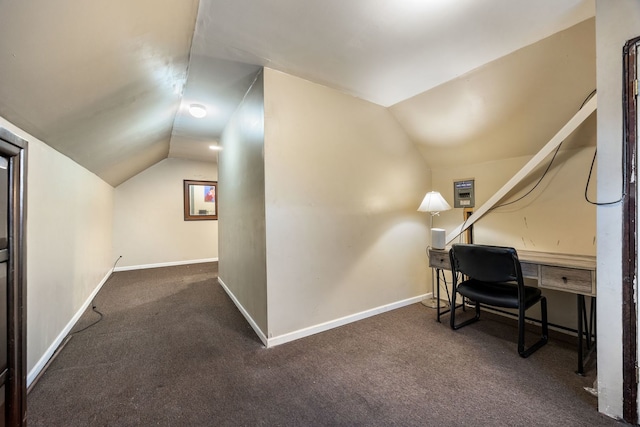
12,293
4,257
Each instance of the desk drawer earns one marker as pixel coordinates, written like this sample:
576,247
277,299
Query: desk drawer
567,279
529,270
439,259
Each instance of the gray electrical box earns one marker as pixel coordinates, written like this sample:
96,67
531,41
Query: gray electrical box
463,194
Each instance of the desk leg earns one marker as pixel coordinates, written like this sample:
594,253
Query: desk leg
581,313
438,294
591,335
449,304
593,321
586,327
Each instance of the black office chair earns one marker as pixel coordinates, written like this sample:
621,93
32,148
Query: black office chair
494,278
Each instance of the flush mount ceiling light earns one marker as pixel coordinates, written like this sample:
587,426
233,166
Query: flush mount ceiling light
215,147
197,110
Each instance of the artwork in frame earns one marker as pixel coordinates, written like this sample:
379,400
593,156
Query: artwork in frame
200,200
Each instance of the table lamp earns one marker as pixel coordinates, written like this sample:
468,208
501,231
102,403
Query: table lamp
434,203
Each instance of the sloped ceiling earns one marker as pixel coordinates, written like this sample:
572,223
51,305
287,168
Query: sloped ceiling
108,82
509,107
99,81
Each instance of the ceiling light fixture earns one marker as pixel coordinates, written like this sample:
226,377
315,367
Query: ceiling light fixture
215,147
197,110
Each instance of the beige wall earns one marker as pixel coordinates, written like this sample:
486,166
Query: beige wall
69,228
149,227
616,22
554,218
242,266
342,185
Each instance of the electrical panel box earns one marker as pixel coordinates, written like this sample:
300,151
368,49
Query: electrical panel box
463,194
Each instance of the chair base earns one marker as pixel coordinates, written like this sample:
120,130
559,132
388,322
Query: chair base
522,351
535,347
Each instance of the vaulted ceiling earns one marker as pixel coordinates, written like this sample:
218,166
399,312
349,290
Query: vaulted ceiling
108,82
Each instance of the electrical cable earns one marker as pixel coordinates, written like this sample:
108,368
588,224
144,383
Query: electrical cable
593,92
586,187
93,304
93,307
537,183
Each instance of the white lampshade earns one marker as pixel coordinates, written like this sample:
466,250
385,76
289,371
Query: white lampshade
433,202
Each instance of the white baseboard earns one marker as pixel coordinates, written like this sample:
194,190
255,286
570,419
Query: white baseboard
244,312
165,264
322,327
35,371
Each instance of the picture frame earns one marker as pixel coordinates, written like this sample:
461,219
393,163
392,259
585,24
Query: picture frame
200,200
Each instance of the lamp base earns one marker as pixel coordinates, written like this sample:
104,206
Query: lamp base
433,303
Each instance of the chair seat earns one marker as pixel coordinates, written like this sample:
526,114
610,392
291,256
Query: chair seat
498,294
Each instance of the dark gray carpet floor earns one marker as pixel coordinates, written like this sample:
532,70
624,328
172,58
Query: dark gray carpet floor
172,349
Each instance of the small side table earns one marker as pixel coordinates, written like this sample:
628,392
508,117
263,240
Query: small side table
439,261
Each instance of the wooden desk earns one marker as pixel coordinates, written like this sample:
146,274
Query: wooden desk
562,272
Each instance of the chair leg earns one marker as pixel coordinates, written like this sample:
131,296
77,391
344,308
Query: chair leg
545,330
466,322
545,324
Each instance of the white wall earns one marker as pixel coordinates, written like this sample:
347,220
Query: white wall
242,267
616,22
149,227
69,229
342,186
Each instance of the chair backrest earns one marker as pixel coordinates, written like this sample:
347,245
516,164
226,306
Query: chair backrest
486,263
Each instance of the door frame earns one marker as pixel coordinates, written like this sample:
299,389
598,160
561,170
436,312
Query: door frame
15,148
629,233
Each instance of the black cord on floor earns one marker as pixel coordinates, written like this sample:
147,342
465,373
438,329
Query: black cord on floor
93,307
93,303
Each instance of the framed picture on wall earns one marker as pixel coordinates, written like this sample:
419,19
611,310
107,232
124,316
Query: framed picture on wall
200,200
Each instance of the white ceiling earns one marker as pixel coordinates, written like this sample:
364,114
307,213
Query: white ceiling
107,82
381,51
